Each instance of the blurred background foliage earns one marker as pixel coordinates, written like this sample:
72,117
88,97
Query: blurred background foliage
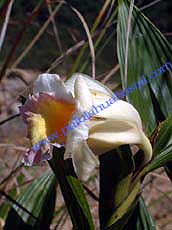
70,32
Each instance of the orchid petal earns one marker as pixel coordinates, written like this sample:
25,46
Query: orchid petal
53,85
93,85
118,110
84,160
83,94
118,124
38,155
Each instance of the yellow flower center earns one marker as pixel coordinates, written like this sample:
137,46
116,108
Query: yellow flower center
50,117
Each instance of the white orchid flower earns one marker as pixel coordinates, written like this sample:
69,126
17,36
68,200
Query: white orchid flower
84,116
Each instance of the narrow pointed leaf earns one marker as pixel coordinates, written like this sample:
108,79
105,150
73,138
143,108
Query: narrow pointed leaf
116,168
162,147
163,138
72,191
141,218
39,201
148,52
161,160
126,206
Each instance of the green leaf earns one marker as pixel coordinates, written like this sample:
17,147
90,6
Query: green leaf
161,160
164,142
126,206
162,150
116,168
6,206
72,191
81,199
148,51
145,220
39,201
141,218
164,136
